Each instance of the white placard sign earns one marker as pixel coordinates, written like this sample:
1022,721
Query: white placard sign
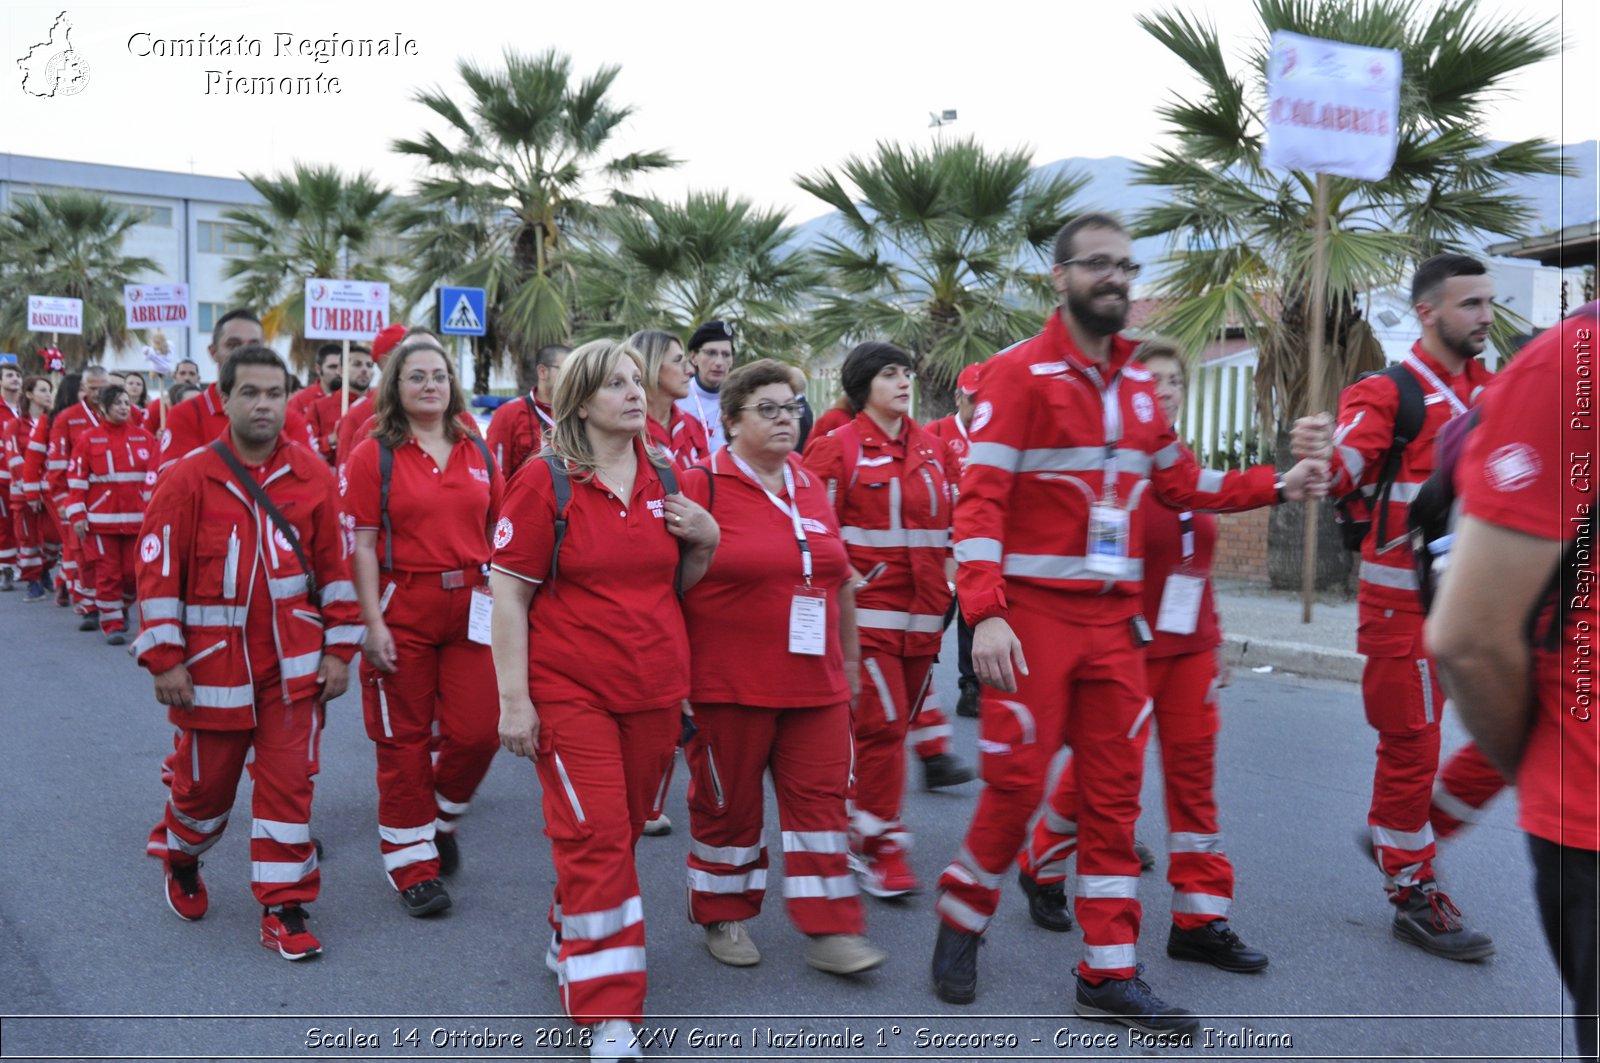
55,313
156,305
346,310
1332,107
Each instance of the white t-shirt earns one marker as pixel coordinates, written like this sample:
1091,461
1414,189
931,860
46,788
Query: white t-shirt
705,407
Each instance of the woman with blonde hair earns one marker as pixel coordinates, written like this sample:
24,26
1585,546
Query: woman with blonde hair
592,547
423,494
667,374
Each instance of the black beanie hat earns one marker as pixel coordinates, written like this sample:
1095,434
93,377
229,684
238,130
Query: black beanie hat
710,332
864,363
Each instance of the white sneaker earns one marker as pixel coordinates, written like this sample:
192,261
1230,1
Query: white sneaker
655,828
614,1040
552,955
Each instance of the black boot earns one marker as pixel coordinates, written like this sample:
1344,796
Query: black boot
943,769
449,852
1425,917
1047,903
955,965
967,703
1216,944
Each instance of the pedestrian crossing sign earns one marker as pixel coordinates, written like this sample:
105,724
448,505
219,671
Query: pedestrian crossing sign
461,311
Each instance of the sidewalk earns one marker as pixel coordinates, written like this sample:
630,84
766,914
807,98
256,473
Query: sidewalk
1262,628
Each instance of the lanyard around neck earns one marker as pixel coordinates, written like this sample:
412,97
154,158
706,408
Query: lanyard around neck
790,509
1437,385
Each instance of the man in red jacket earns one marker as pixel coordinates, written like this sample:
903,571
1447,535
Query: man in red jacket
1454,300
196,422
518,427
1066,437
954,431
11,403
330,357
248,630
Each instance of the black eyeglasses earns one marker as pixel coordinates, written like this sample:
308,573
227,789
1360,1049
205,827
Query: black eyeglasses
769,410
1102,265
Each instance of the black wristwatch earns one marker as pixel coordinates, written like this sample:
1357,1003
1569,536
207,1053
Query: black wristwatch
1278,489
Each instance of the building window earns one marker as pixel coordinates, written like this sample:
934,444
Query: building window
220,238
206,315
21,198
145,214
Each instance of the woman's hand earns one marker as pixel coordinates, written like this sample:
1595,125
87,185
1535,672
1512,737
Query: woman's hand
379,648
519,725
689,521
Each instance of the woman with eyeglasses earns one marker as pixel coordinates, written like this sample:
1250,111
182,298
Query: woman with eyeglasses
422,494
592,662
889,482
667,374
773,672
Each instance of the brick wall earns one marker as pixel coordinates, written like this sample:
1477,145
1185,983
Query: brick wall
1242,546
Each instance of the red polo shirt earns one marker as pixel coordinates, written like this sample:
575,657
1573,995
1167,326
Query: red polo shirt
738,614
1528,466
609,630
442,518
683,438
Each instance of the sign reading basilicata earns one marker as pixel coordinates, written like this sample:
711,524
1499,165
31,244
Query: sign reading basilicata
156,305
55,313
346,310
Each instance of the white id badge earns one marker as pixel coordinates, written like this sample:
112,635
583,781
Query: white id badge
1108,540
479,614
808,622
1180,604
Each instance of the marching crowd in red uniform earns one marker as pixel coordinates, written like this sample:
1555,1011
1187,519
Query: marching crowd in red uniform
784,598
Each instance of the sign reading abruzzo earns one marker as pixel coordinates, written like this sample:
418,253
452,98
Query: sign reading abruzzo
155,305
346,310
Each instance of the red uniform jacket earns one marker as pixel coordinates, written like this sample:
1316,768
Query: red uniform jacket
303,400
1367,412
112,476
50,450
954,433
826,422
515,432
324,417
13,447
8,424
1040,459
683,438
893,507
221,591
198,421
353,427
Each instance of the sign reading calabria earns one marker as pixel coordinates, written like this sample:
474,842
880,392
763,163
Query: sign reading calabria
1332,107
346,310
55,313
154,305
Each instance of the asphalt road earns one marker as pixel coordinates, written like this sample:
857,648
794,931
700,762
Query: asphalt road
94,966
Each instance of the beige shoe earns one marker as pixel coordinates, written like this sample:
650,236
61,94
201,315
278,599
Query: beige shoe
730,943
843,953
655,828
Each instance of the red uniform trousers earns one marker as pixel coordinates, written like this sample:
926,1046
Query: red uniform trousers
1086,689
443,680
38,540
808,753
109,560
891,687
598,770
70,571
1184,692
1404,703
929,730
9,540
206,769
1465,784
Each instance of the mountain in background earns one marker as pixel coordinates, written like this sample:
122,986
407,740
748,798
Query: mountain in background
1557,202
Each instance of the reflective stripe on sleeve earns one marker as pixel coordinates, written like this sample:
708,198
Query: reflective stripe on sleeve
979,550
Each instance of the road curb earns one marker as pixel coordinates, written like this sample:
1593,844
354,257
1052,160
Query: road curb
1301,658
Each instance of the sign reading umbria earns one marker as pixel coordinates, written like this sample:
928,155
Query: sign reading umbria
55,313
346,310
155,305
1332,107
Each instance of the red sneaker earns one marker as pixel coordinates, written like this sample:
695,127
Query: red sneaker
883,870
186,894
284,930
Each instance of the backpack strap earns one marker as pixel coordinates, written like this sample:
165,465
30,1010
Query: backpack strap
563,490
385,474
259,494
1408,422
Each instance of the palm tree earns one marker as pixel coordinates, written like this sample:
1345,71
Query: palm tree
676,265
498,208
316,222
1242,235
67,244
940,250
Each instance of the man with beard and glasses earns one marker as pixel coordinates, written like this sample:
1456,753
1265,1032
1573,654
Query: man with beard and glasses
1066,436
1454,300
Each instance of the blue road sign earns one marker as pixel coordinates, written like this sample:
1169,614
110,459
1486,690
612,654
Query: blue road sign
461,311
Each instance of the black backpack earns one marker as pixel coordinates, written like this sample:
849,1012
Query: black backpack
386,472
1353,512
563,490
